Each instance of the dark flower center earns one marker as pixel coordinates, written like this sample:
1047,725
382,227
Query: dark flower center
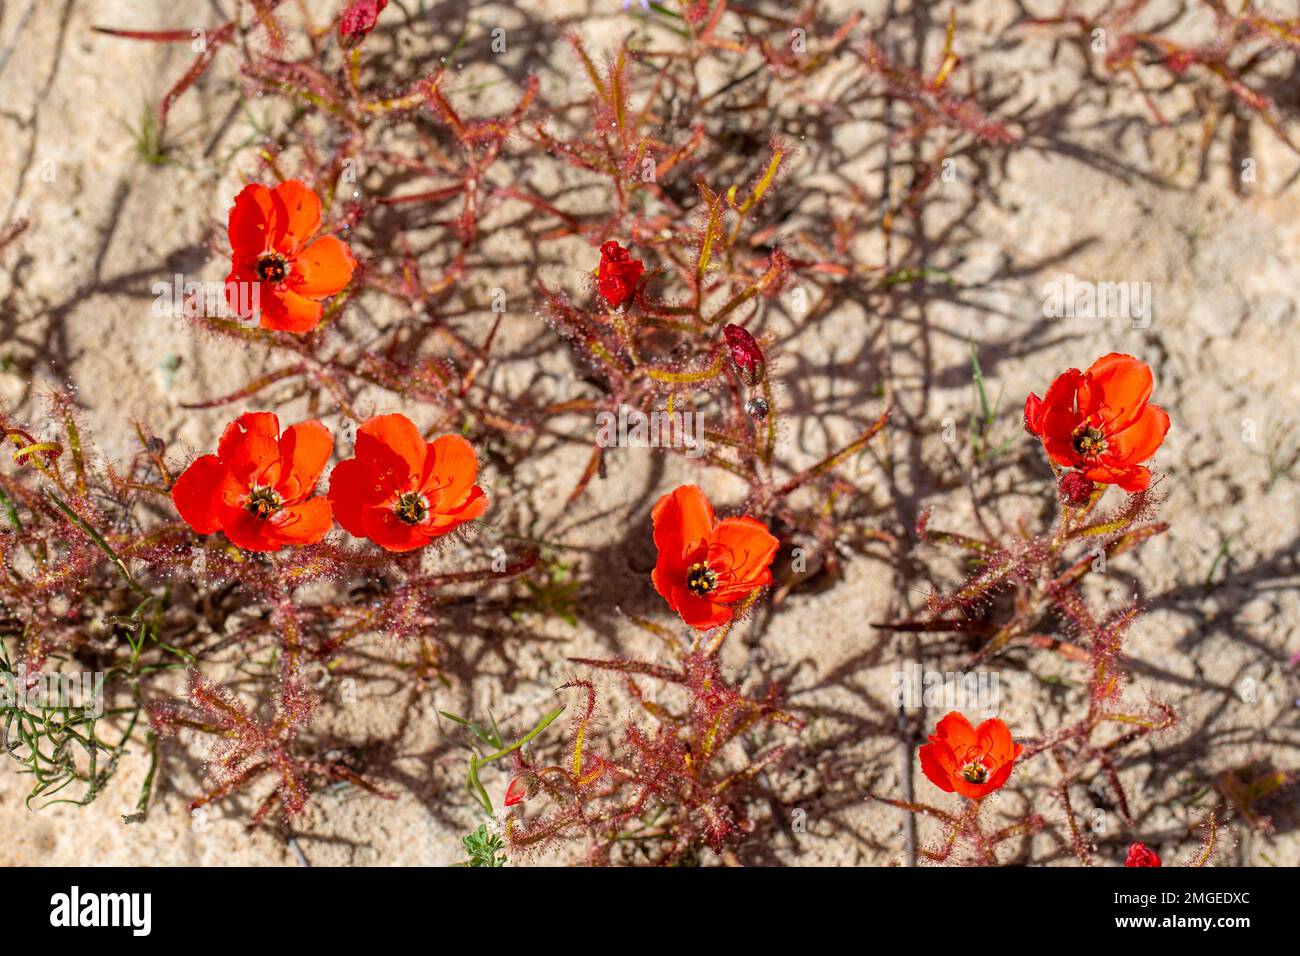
1089,442
272,267
412,508
975,773
701,579
263,502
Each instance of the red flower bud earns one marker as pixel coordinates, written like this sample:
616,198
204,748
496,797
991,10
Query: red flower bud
517,792
1179,61
1139,854
358,19
618,274
744,352
1075,489
697,11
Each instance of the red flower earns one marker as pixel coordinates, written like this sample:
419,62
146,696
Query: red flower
744,352
706,565
1139,854
257,487
618,274
400,491
968,760
270,231
358,19
1099,421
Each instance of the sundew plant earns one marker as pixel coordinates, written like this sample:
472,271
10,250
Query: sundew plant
694,432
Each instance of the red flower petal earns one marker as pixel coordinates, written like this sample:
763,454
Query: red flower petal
195,492
351,485
1140,440
1134,479
304,450
395,449
1116,387
937,764
745,548
300,524
250,447
1034,415
993,737
995,781
322,269
956,731
1059,417
384,528
440,522
450,469
695,611
683,520
249,532
284,310
297,216
254,224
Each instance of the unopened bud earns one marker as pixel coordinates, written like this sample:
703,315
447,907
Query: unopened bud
358,19
517,792
1075,489
744,352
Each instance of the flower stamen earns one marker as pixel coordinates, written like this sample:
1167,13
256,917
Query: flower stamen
701,579
272,267
412,508
263,501
1089,442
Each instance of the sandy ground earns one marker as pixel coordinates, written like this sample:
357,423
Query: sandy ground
1097,191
